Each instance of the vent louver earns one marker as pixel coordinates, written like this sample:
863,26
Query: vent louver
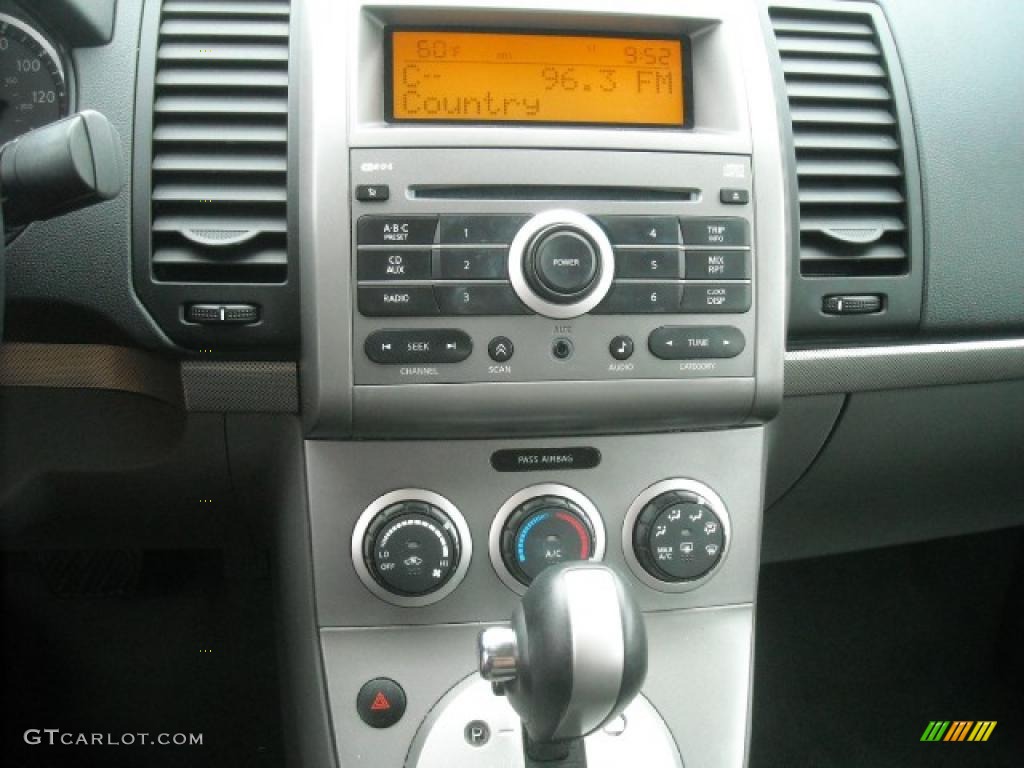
220,128
850,164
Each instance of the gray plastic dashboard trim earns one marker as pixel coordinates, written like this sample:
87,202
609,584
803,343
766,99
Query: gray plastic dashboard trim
868,369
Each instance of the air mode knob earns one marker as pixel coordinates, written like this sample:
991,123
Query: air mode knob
676,534
561,263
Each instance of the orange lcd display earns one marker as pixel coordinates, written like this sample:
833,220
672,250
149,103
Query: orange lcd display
490,77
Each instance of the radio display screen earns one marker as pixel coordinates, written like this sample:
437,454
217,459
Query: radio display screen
439,76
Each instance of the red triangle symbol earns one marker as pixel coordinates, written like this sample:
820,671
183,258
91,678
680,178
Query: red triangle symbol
380,702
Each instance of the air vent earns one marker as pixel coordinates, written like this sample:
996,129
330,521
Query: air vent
849,151
220,128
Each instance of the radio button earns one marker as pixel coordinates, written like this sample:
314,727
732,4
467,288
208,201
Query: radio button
717,265
393,265
419,346
652,263
468,230
396,230
411,301
474,263
478,300
716,297
640,298
715,232
641,230
677,342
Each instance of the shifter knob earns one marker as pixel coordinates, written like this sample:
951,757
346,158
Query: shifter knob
574,655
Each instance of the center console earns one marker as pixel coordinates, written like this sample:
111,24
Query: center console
544,270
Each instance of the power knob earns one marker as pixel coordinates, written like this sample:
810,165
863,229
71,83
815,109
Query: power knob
561,264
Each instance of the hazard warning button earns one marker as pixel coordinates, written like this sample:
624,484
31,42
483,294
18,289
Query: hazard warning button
381,702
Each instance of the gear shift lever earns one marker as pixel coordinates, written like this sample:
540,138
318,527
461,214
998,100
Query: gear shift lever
573,657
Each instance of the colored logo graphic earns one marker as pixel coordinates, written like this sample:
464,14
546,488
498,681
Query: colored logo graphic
958,730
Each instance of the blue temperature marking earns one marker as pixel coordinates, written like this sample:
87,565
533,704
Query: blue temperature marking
525,531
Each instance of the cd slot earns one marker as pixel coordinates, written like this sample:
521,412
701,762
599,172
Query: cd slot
517,192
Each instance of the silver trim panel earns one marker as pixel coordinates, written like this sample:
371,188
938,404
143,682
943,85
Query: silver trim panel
870,369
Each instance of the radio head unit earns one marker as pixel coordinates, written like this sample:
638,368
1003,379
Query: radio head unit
535,266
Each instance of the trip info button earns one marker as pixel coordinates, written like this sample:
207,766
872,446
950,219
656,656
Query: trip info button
677,342
434,345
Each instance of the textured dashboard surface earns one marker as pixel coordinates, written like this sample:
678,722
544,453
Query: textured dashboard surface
962,66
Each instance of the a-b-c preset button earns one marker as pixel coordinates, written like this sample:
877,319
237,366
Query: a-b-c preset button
431,345
396,230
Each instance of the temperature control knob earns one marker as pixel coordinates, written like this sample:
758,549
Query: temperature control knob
544,526
411,549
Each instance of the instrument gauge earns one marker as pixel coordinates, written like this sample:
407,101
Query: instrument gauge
33,88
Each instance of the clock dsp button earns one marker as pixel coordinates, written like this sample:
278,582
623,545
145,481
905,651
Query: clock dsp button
715,231
396,230
380,703
676,342
716,297
395,347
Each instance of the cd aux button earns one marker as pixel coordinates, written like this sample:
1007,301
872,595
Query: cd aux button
393,264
